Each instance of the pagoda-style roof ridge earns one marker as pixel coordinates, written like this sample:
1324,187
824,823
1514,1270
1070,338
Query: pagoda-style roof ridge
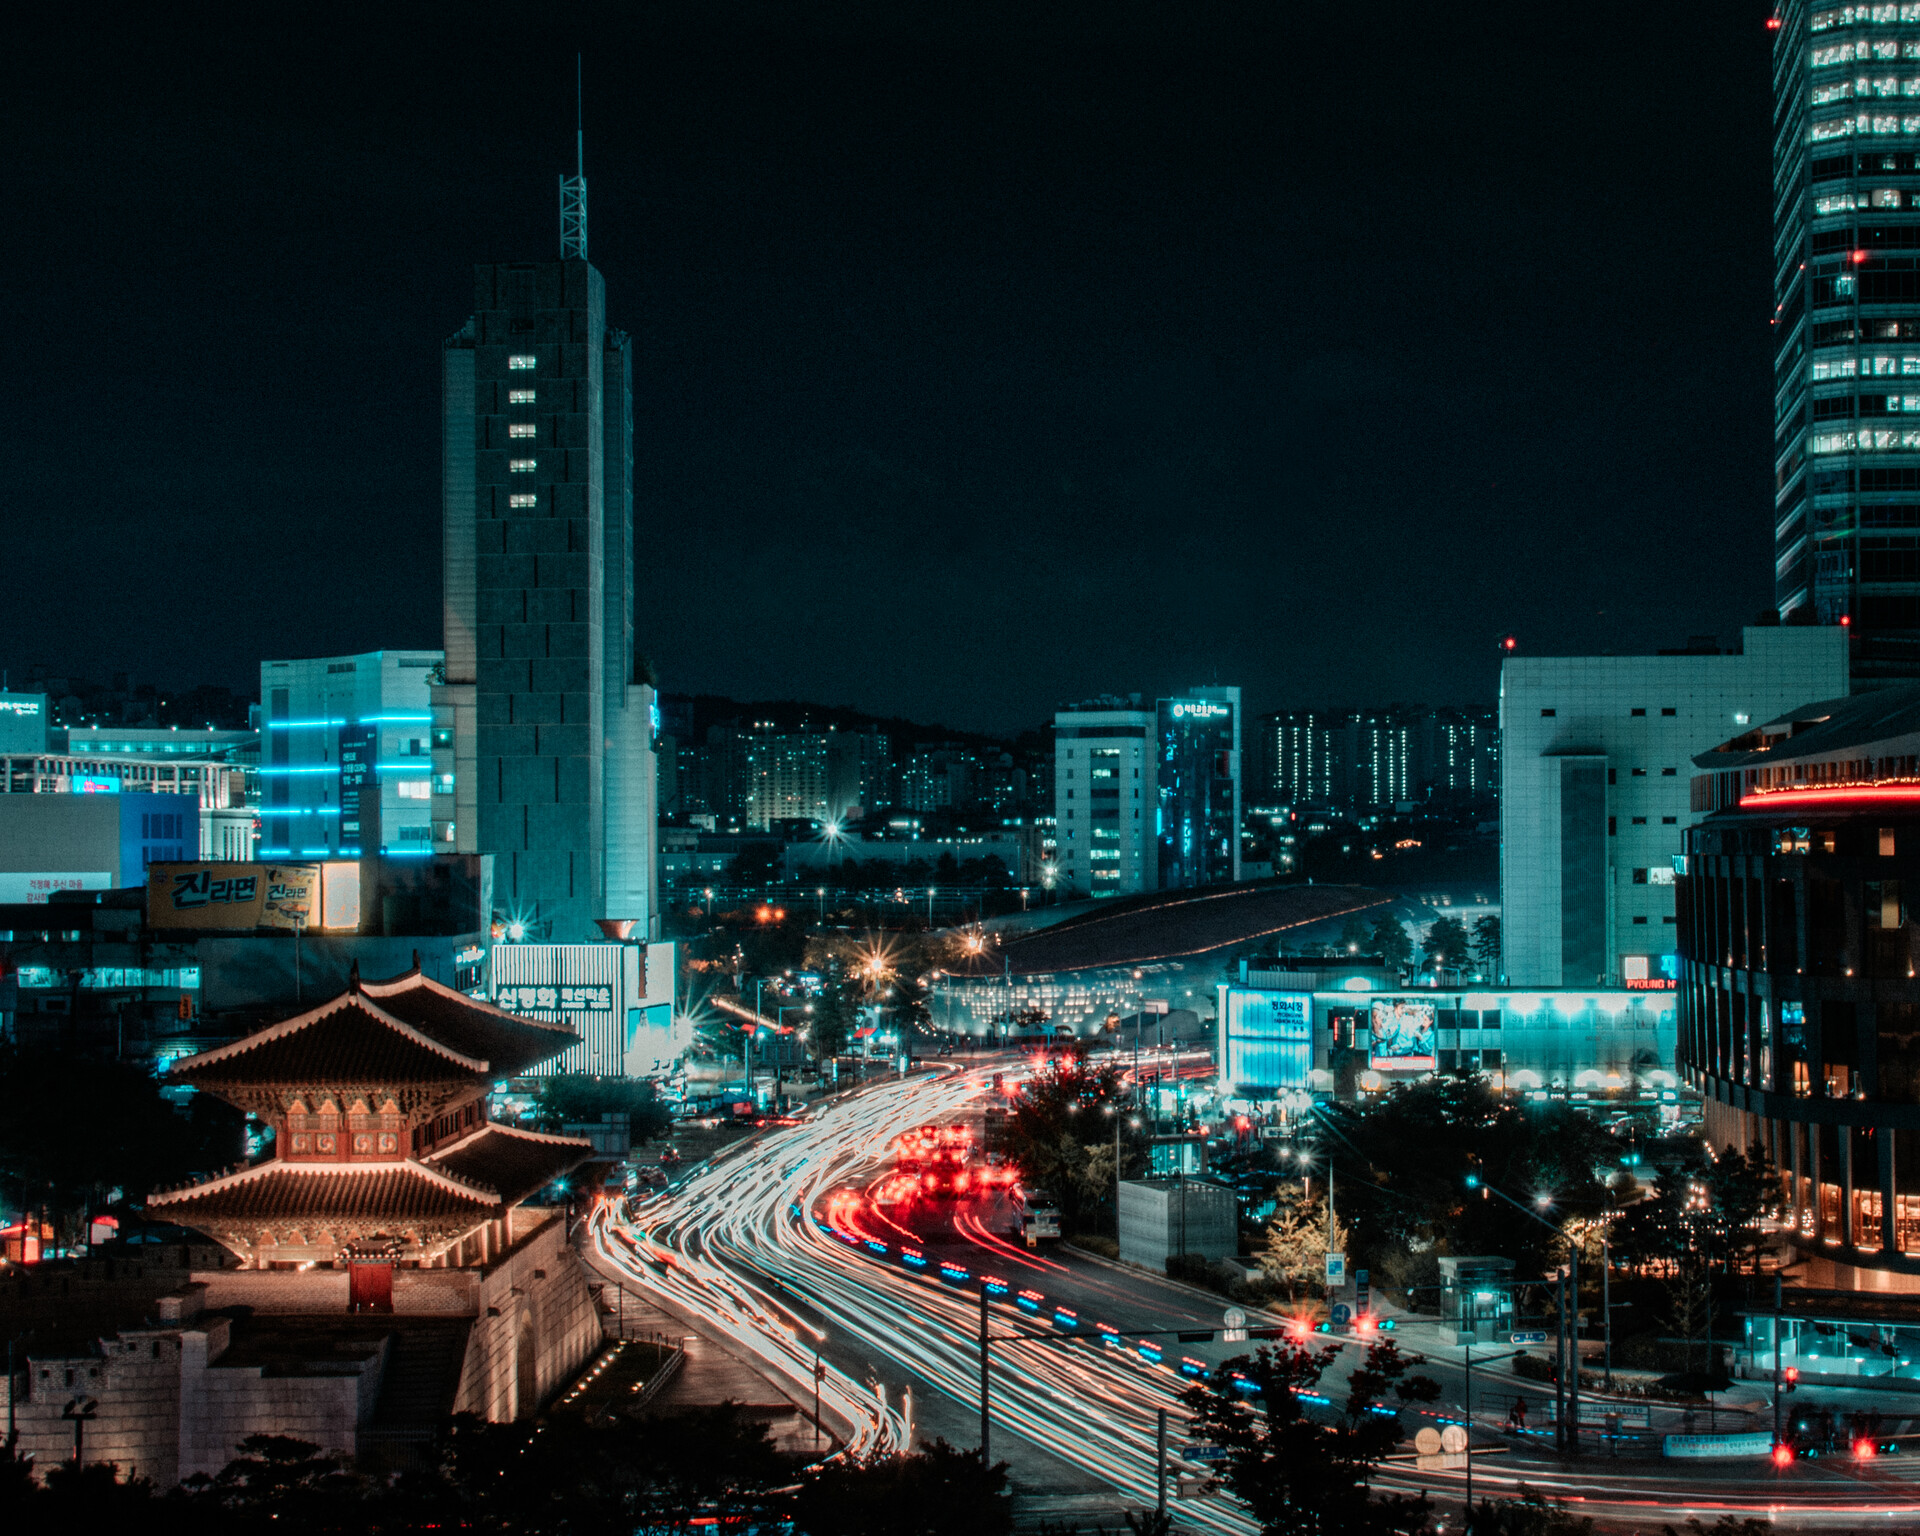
518,1163
417,981
488,1128
280,1167
352,999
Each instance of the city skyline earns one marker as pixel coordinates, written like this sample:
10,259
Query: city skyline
882,406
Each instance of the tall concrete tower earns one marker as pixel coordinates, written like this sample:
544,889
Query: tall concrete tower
543,739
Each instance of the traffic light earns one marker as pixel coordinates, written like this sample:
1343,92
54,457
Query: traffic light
1473,1181
1790,1378
1864,1449
1783,1455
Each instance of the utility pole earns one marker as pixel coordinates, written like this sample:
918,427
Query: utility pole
1573,1348
1606,1305
1776,1359
1560,1363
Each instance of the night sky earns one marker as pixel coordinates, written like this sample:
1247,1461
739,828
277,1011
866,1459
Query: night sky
988,356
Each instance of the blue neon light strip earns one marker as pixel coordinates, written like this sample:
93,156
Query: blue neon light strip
407,853
300,810
301,725
279,772
416,765
396,719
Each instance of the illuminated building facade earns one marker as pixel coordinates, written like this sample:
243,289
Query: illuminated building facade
346,759
544,722
1299,749
1197,737
1594,800
1846,265
1800,1006
1105,795
783,776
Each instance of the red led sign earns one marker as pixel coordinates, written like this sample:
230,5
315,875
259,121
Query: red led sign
1832,794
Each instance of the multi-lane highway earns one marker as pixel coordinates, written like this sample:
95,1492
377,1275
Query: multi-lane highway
772,1249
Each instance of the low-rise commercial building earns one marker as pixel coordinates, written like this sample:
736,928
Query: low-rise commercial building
1290,1033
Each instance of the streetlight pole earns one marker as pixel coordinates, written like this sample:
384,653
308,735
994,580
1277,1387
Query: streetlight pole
986,1460
1160,1462
1566,1390
1606,1301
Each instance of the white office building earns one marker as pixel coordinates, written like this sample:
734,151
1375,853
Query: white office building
1595,755
1105,794
346,756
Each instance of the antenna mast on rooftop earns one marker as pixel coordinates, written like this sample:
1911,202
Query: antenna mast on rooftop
573,189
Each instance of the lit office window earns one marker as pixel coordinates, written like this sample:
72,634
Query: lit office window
523,499
522,396
523,466
522,429
413,789
522,360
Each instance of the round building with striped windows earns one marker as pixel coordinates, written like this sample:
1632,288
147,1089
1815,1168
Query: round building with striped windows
1800,969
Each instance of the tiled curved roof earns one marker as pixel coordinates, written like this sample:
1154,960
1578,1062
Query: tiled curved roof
509,1042
517,1163
279,1191
409,1030
1171,926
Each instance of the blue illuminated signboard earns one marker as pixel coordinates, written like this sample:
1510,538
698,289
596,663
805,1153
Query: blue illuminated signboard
1269,1039
359,786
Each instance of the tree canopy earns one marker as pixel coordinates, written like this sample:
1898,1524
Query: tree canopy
1060,1136
574,1098
1298,1475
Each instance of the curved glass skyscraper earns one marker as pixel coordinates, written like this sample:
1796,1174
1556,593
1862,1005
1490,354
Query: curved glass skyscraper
1847,324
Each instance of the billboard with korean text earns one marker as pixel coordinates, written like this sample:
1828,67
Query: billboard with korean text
231,896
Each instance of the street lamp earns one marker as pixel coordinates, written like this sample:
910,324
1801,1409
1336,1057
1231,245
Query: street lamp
1566,1388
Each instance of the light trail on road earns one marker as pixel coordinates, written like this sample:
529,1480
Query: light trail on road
737,1246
